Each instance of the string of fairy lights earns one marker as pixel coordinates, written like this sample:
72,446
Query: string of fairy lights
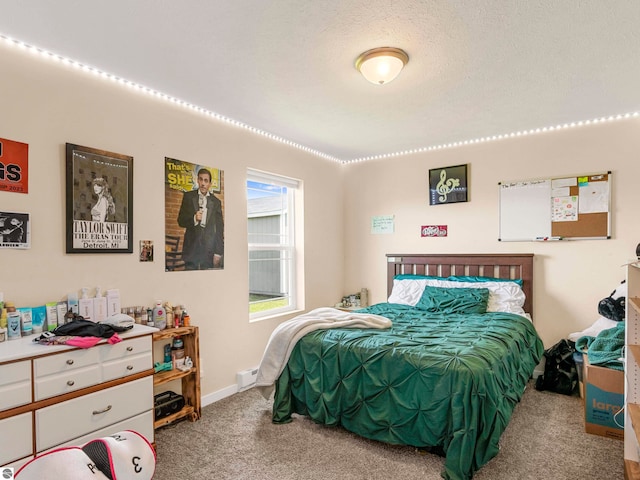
257,131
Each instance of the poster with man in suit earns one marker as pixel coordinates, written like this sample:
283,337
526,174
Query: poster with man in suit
194,219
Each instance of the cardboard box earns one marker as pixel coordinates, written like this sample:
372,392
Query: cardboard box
604,397
579,361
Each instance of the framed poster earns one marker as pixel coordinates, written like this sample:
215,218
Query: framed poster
448,185
14,166
99,198
15,230
146,250
194,216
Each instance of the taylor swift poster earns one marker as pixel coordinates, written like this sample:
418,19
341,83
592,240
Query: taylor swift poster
99,201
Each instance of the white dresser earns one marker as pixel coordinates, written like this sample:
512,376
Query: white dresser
53,396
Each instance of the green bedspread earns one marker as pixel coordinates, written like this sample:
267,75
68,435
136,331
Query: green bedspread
432,380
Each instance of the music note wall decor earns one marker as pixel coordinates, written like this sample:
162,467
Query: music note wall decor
448,185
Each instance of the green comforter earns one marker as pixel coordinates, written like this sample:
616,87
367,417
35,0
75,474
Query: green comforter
431,380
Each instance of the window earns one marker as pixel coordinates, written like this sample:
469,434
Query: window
271,238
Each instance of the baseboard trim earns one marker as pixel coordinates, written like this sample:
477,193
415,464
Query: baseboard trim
219,395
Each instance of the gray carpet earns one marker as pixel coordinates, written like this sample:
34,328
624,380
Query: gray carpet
235,439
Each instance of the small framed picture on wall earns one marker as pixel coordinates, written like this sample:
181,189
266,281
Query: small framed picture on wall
448,185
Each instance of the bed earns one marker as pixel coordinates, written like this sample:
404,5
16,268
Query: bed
445,377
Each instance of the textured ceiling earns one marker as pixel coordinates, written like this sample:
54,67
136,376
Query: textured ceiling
477,68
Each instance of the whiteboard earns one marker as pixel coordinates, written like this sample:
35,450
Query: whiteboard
525,210
574,207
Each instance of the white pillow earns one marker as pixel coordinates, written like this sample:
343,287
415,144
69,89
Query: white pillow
503,296
407,291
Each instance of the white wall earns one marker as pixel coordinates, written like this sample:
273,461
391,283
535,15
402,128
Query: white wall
46,104
570,276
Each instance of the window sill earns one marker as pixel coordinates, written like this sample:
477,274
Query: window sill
288,313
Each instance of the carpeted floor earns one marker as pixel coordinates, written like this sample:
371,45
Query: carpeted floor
235,439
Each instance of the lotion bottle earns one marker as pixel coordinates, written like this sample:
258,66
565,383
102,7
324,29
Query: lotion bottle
100,306
113,302
52,316
159,316
72,302
86,305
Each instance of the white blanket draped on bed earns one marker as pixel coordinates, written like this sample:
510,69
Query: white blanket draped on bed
287,334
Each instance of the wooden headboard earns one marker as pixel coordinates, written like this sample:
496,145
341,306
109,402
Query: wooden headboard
508,265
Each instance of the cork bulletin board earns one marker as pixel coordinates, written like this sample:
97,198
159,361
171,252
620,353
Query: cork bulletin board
563,208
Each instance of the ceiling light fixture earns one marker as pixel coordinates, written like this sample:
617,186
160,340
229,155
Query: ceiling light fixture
381,65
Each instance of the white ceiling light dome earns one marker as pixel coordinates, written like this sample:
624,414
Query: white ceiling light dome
381,65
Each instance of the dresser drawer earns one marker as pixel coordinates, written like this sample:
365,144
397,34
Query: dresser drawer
15,438
15,384
65,361
134,346
65,421
52,385
143,424
127,366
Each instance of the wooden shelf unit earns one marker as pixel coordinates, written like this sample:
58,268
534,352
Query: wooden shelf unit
635,303
190,378
632,375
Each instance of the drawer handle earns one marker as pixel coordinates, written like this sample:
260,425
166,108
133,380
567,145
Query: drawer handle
129,367
69,362
71,383
129,349
104,410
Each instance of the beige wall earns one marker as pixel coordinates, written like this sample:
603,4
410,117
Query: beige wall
570,276
46,104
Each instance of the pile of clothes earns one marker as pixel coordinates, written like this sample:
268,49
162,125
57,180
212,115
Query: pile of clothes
79,332
603,342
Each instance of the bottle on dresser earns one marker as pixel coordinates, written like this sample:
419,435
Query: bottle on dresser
1,309
3,312
99,306
3,324
13,322
169,312
85,305
177,316
159,316
177,352
150,321
186,319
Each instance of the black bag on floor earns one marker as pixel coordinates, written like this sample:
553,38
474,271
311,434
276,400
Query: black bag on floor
560,372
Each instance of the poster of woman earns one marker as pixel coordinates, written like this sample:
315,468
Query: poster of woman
99,201
194,218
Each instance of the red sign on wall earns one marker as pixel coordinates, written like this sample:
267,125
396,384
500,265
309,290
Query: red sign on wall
434,231
14,166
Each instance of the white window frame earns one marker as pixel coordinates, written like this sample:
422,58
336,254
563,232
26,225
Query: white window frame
288,277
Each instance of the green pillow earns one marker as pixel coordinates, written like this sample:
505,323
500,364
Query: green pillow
453,300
